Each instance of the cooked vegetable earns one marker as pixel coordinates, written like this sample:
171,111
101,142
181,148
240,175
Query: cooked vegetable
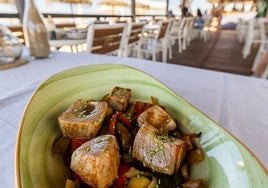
188,139
193,184
138,182
72,184
123,118
154,100
185,171
121,181
195,157
130,112
153,183
62,145
113,123
139,108
76,143
133,172
128,159
125,136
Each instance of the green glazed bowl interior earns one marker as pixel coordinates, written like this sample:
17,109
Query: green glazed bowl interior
228,162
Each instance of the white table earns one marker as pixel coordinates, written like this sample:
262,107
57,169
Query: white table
238,103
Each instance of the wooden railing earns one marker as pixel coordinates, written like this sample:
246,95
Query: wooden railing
97,16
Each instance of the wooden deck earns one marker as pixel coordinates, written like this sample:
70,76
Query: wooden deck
222,53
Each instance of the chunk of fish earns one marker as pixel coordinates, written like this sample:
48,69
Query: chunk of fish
119,98
97,161
83,119
162,153
157,117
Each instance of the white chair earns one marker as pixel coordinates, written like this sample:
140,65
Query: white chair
253,36
63,27
178,33
158,42
106,39
190,30
241,29
134,33
205,31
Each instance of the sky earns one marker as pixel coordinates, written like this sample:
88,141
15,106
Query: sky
61,7
44,7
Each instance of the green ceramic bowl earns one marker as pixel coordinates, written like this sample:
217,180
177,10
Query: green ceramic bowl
228,162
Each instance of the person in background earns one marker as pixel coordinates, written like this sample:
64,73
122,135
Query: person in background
216,12
199,21
185,11
206,16
199,13
171,14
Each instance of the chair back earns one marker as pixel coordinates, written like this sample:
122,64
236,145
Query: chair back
102,39
182,23
165,28
134,32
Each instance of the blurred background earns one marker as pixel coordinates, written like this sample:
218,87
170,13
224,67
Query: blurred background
82,11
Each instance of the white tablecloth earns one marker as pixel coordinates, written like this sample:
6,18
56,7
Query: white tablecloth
238,103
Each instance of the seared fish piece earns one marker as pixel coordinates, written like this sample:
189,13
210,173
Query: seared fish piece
97,161
119,98
157,117
83,119
161,153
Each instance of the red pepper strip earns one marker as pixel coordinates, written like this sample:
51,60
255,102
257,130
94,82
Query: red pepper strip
112,123
75,176
124,120
138,108
147,105
76,143
121,181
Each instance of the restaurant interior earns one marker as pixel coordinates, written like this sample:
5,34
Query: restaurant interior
210,54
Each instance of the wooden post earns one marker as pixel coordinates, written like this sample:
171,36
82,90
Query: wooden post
133,10
20,8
